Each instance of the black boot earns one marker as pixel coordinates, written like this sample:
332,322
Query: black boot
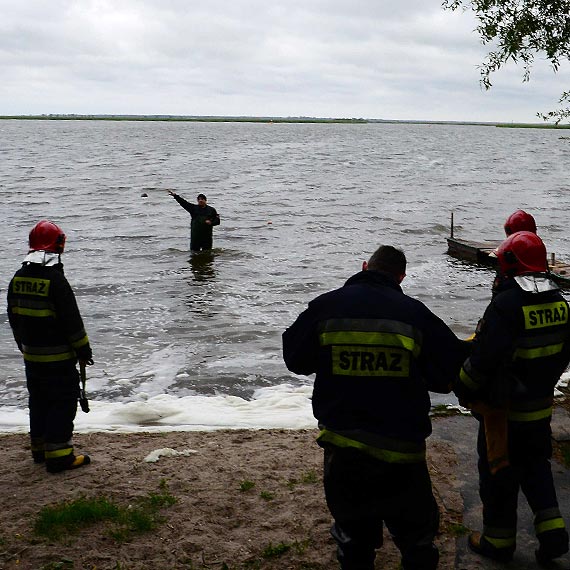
479,544
351,554
67,463
553,544
37,445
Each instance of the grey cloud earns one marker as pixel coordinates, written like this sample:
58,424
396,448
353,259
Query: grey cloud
382,58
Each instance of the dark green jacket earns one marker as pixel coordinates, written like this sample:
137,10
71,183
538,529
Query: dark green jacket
200,231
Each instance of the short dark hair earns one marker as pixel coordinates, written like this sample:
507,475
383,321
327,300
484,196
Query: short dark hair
388,259
202,196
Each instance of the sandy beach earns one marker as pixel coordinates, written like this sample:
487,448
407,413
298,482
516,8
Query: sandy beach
244,500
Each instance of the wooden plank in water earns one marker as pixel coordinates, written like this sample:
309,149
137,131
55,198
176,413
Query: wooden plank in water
475,252
481,254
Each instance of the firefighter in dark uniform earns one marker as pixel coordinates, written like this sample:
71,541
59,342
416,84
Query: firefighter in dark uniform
204,218
49,331
376,352
520,350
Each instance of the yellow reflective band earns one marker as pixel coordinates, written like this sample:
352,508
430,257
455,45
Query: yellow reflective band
370,361
542,352
370,338
501,542
31,286
387,455
49,357
33,312
545,315
467,380
81,342
530,416
58,453
551,524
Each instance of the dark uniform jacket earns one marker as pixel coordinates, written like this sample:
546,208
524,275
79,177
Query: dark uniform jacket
200,231
45,319
376,353
521,349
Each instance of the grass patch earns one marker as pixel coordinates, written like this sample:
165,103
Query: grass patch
271,551
246,485
63,519
274,551
291,483
310,477
458,529
55,520
267,496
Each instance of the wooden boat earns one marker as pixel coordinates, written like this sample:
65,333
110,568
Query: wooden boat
482,253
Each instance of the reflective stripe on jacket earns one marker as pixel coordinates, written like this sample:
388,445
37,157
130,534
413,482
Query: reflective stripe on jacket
44,317
376,353
519,352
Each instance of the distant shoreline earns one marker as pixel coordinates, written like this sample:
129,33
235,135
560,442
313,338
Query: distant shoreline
232,119
177,118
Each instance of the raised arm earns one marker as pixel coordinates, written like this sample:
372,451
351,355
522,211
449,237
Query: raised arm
184,203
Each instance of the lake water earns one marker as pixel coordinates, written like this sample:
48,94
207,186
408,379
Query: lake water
184,343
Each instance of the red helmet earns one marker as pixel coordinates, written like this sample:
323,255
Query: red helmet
47,236
520,221
522,252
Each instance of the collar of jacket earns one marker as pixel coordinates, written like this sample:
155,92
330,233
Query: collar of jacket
530,283
378,278
536,283
45,258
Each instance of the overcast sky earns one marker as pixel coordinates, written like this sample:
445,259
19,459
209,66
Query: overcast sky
384,59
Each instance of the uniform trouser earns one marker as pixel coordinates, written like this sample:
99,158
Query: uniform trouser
530,450
362,493
53,406
201,240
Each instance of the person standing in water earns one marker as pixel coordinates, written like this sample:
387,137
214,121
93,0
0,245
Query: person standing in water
204,218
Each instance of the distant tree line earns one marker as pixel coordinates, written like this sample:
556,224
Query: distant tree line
214,119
